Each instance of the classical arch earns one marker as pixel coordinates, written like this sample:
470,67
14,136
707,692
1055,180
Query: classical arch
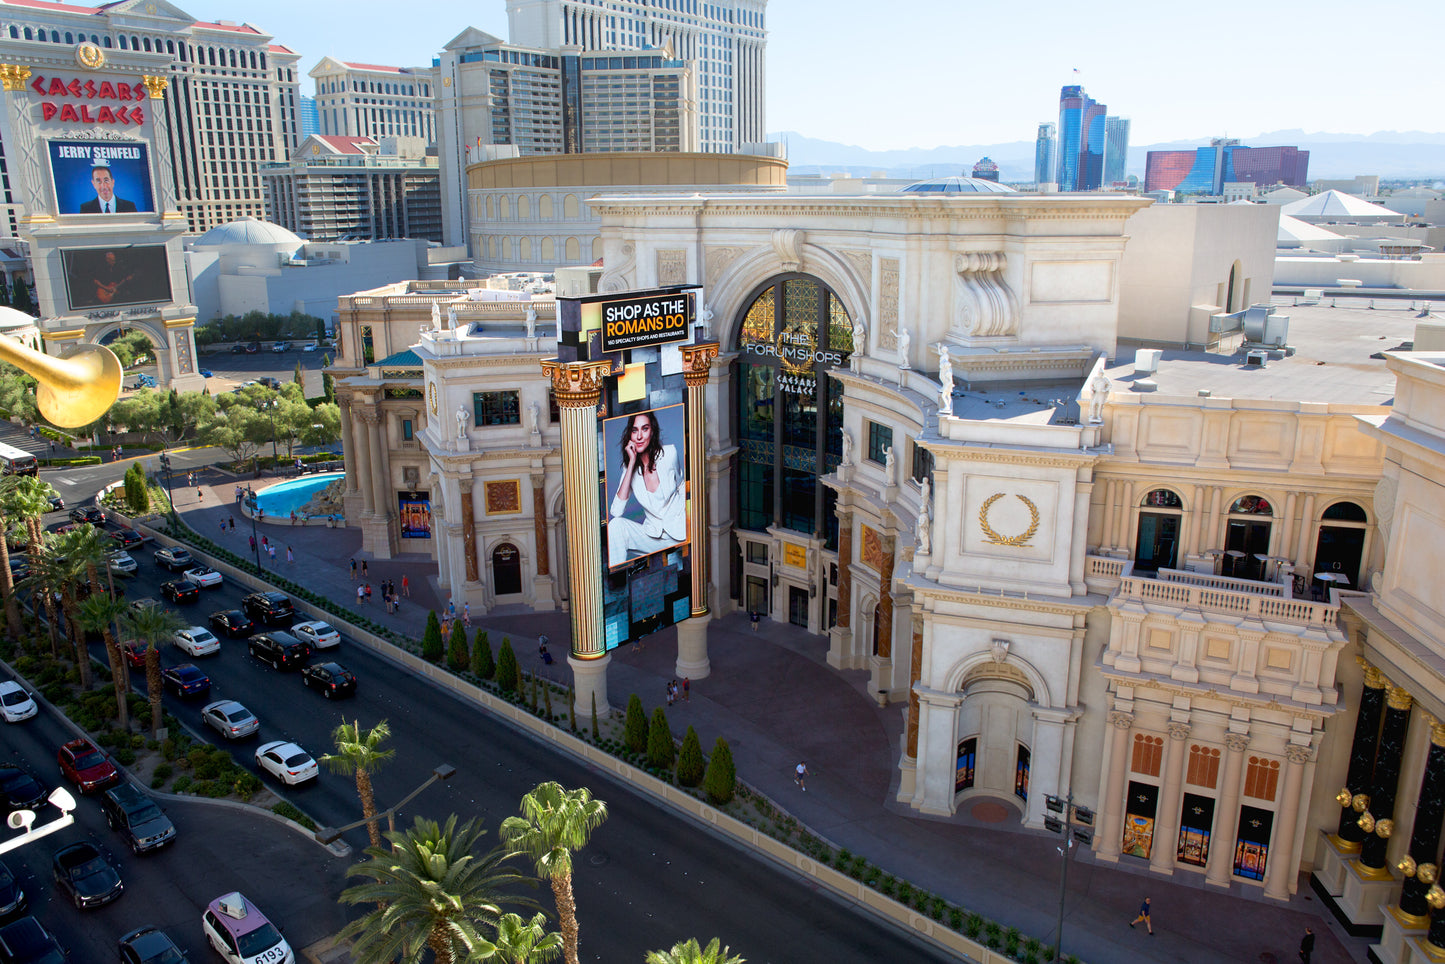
730,295
167,365
549,248
544,207
573,250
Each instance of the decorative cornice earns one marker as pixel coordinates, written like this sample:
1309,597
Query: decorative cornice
948,449
14,76
155,86
697,363
1315,714
576,384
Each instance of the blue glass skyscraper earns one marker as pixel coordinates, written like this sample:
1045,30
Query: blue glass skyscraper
1081,140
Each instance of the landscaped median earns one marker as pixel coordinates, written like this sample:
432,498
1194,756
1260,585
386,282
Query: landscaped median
745,815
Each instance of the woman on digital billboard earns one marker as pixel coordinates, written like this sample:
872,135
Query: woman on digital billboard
651,477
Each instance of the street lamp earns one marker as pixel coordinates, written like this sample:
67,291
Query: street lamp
255,545
1083,834
166,465
25,820
329,835
269,407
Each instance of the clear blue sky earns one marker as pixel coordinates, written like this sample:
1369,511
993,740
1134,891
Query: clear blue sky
934,72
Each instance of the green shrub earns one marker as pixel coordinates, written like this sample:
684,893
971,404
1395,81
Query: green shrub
722,777
635,731
164,771
125,756
660,751
431,639
247,785
689,761
483,666
157,782
290,812
457,656
182,784
507,674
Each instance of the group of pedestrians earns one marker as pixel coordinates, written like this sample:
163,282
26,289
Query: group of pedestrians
676,691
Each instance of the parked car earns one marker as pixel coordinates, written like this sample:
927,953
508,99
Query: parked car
281,346
147,602
18,789
133,651
269,381
196,640
206,373
310,346
87,513
175,558
26,942
253,348
203,576
122,563
281,650
230,719
238,349
150,945
270,608
231,622
179,591
241,934
19,566
286,762
143,381
316,634
185,680
12,896
56,503
16,703
85,876
126,537
83,764
332,679
128,810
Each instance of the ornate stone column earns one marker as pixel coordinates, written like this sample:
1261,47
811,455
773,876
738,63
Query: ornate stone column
376,449
1304,551
692,661
1283,869
348,445
1387,780
914,673
1219,869
885,598
1166,827
363,456
539,525
1354,798
1425,839
1106,538
578,388
469,531
1078,549
841,642
1111,815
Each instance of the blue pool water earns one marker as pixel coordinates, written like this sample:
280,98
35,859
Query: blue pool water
284,497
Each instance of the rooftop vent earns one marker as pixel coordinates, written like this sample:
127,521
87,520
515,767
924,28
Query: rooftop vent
1255,359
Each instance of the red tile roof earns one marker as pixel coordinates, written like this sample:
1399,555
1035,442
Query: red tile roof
43,5
238,28
393,70
279,49
346,144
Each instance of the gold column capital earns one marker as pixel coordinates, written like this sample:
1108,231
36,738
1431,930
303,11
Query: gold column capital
1397,698
1374,679
14,76
155,86
697,362
576,384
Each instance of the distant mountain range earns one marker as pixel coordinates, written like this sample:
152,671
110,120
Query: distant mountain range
1390,154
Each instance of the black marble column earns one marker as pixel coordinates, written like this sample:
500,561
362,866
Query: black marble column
1362,751
1436,934
1429,812
1387,773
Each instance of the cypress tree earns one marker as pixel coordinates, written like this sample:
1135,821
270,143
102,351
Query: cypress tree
689,760
457,656
431,639
547,699
507,667
596,733
722,779
636,729
482,664
572,706
659,741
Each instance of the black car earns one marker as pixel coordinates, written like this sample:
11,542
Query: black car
181,591
56,503
238,349
12,897
281,650
270,608
332,679
88,513
137,817
84,874
175,558
231,622
126,538
26,942
150,945
18,789
185,680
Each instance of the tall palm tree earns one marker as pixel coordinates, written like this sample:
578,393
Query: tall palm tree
27,498
48,573
555,822
151,625
8,527
73,559
360,754
689,952
431,891
522,941
100,614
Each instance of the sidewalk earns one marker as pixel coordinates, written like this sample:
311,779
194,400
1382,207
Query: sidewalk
775,699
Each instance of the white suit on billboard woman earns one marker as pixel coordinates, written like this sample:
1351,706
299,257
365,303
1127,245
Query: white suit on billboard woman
665,524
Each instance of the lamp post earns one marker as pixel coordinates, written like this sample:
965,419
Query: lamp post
1083,834
255,545
166,465
270,409
328,835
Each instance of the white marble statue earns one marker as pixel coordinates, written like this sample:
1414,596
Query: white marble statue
436,316
860,341
535,412
924,530
924,493
462,419
847,448
889,464
452,317
1100,387
705,318
945,381
531,322
905,341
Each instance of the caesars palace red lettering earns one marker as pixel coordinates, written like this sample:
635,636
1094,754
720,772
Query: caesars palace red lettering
89,90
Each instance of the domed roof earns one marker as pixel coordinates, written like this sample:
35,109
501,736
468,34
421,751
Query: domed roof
958,185
248,231
11,318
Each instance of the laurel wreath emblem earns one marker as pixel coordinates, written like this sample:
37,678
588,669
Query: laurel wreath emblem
993,537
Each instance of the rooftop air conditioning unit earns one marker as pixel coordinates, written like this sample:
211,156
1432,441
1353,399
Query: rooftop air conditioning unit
1146,361
1255,359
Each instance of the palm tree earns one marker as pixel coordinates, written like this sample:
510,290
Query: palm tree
100,614
431,891
554,823
47,573
151,625
27,498
360,754
8,527
688,952
73,557
522,941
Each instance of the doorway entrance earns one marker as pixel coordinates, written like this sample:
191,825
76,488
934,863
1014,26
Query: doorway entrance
1341,545
757,595
506,570
1247,537
798,606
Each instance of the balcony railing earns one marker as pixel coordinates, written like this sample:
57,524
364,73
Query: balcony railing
1255,602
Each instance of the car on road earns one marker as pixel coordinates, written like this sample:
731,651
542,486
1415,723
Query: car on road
180,591
126,538
238,349
286,762
128,810
83,764
175,558
253,347
231,622
12,895
206,373
88,513
230,719
86,876
26,942
316,634
134,653
332,679
281,650
196,640
311,346
185,680
203,576
19,566
150,945
122,563
144,603
241,934
68,527
18,789
16,703
271,608
281,346
56,503
270,381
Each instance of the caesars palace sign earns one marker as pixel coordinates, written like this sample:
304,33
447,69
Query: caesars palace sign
88,102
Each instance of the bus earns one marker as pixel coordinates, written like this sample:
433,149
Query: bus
15,461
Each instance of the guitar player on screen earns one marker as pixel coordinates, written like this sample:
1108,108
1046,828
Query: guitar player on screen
111,277
105,200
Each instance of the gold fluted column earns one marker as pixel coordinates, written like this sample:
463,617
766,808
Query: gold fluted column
692,659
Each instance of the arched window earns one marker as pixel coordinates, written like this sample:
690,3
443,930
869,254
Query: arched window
524,207
597,249
1156,545
28,34
145,43
524,249
549,250
489,207
571,209
505,210
1251,505
1344,512
1340,548
507,249
1162,499
70,38
104,41
573,251
1246,541
506,570
14,32
492,247
544,207
170,47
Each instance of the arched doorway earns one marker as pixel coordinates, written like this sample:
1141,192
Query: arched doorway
506,570
1247,537
1156,545
1341,544
995,730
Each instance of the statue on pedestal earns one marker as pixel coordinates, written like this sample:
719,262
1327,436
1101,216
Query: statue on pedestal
905,341
531,322
1100,387
452,317
888,466
847,448
436,316
925,520
462,419
945,381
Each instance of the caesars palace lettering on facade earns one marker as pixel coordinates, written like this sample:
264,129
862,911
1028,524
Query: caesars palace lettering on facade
89,90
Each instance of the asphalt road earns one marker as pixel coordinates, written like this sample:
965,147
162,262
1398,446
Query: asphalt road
647,879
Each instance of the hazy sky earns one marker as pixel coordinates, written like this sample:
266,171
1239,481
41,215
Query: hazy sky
935,72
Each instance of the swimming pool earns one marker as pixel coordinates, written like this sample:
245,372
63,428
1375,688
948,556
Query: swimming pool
283,498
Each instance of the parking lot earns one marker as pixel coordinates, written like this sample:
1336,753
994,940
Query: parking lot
230,371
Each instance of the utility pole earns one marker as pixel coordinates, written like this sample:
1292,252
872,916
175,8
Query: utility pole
1083,833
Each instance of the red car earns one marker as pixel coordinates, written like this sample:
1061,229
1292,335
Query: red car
85,766
134,652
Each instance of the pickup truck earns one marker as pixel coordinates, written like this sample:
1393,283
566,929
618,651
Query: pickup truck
137,818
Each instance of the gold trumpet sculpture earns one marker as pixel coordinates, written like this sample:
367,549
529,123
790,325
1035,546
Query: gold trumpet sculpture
74,390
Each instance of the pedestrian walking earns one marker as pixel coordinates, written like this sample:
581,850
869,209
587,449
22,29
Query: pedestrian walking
200,496
353,570
290,556
238,495
233,521
368,592
271,551
223,527
1307,946
405,585
264,543
686,686
363,569
253,543
754,617
1144,916
360,595
800,775
451,609
466,614
670,692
